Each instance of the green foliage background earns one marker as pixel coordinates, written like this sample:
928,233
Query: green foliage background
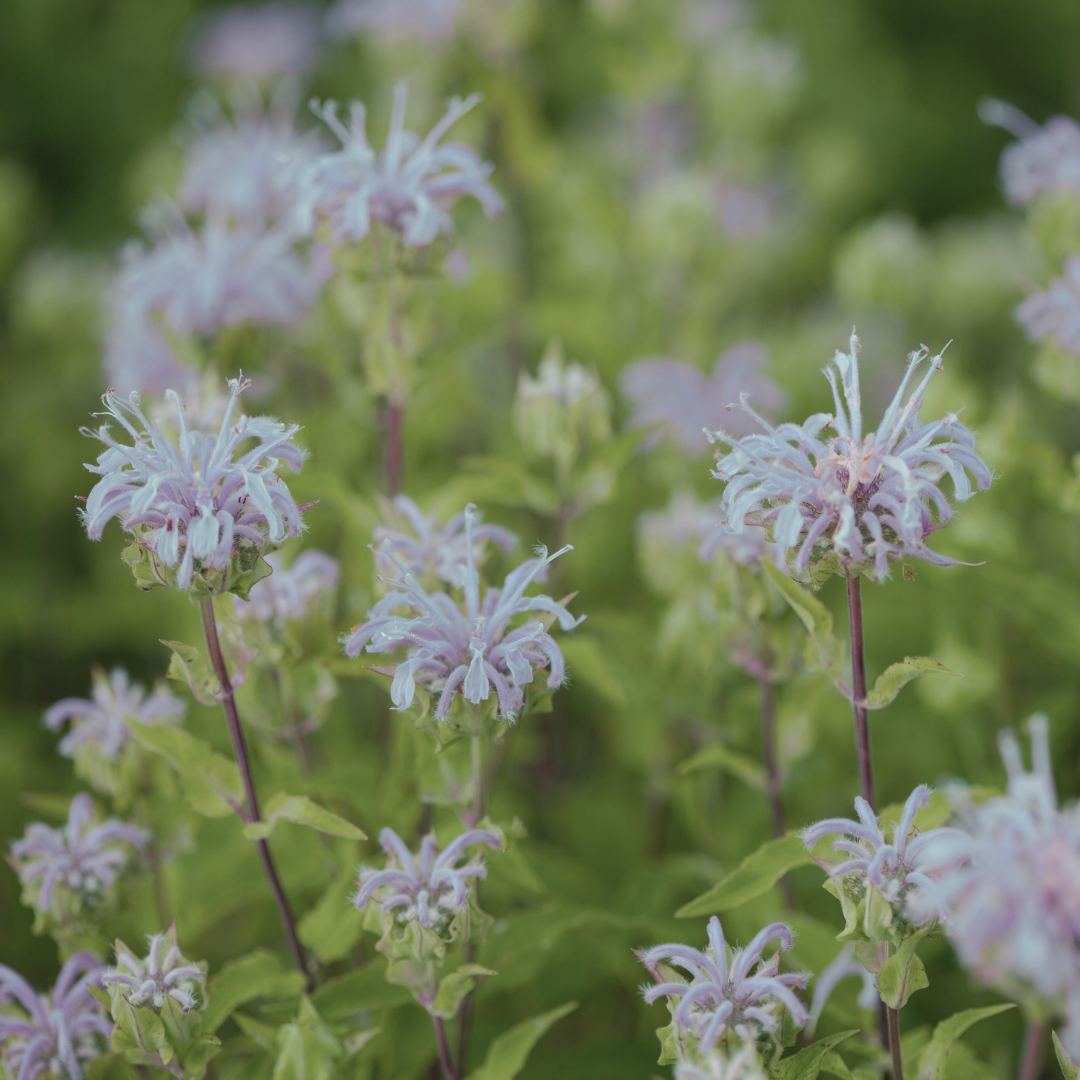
889,217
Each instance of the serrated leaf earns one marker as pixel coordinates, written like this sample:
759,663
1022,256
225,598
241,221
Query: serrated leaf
300,810
309,1049
897,676
718,756
191,666
806,1064
211,782
932,1058
902,974
363,989
258,974
454,987
507,1054
753,877
1069,1068
333,926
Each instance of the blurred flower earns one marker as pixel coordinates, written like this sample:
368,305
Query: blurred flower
845,966
744,211
164,973
409,186
563,412
876,497
748,548
248,169
430,887
198,282
686,402
469,651
1056,311
431,19
62,1031
433,550
896,870
721,998
1014,905
286,593
81,857
103,719
742,1065
193,494
269,40
1044,159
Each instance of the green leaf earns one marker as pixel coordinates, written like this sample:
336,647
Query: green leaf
110,1067
753,877
835,1065
256,975
902,974
264,1035
454,987
588,665
309,1049
211,782
1069,1069
333,926
824,651
931,1061
190,665
507,1054
731,761
897,676
300,810
363,989
806,1064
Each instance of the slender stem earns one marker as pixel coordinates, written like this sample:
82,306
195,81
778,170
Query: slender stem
243,762
478,778
772,776
894,1044
1031,1058
394,415
445,1061
858,691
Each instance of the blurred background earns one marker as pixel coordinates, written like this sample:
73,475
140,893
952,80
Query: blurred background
680,177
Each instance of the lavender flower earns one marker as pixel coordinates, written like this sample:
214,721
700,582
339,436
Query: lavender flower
470,651
724,997
199,282
247,170
896,870
62,1031
260,42
1056,311
409,186
864,500
429,887
685,401
744,211
1044,159
432,550
742,1065
193,496
80,857
164,973
1014,904
748,547
103,719
430,19
286,593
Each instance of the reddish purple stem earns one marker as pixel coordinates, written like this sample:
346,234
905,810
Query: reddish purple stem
243,762
394,415
858,691
1031,1057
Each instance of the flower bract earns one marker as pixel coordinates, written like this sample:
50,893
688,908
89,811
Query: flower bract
162,973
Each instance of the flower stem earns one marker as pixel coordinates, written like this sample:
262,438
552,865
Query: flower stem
445,1062
772,775
1031,1057
243,762
478,779
858,690
894,1044
394,415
